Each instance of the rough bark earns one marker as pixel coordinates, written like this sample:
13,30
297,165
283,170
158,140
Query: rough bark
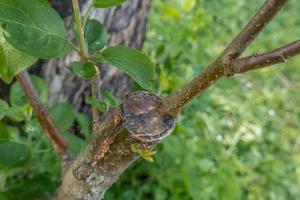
126,25
137,122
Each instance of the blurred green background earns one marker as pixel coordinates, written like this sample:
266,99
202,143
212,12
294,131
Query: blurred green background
239,140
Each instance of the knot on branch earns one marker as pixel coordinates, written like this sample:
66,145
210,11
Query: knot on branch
142,119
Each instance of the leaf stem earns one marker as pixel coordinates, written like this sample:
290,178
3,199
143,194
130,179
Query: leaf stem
79,27
84,56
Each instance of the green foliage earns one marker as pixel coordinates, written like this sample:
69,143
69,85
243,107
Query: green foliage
12,61
240,139
84,71
107,4
13,154
33,27
63,115
110,99
100,105
29,168
17,96
131,61
96,35
144,153
3,108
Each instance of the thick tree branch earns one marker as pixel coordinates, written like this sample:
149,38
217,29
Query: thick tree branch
173,103
258,61
57,140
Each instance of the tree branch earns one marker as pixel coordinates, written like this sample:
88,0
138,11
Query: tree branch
83,53
174,102
279,55
59,143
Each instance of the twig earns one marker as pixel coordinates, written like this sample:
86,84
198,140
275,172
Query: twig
84,56
174,102
51,130
83,48
279,55
88,12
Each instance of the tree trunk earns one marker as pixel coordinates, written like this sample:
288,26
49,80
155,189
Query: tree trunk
126,25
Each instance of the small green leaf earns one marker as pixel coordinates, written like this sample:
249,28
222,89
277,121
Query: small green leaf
149,159
86,71
2,57
15,114
96,35
17,96
34,27
13,154
107,3
131,61
13,61
4,132
135,148
144,153
84,122
100,105
110,99
63,115
3,108
76,144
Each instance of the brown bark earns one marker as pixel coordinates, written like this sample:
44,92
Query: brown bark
126,25
221,66
137,122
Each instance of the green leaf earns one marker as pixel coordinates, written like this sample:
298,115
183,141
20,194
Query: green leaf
100,105
34,27
13,61
96,35
131,61
38,187
63,115
4,132
86,71
144,153
3,108
2,57
110,99
17,96
107,3
76,144
13,154
15,114
84,122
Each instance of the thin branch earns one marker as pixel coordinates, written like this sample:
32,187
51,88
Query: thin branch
84,54
83,48
260,20
95,93
51,130
174,102
88,12
279,55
